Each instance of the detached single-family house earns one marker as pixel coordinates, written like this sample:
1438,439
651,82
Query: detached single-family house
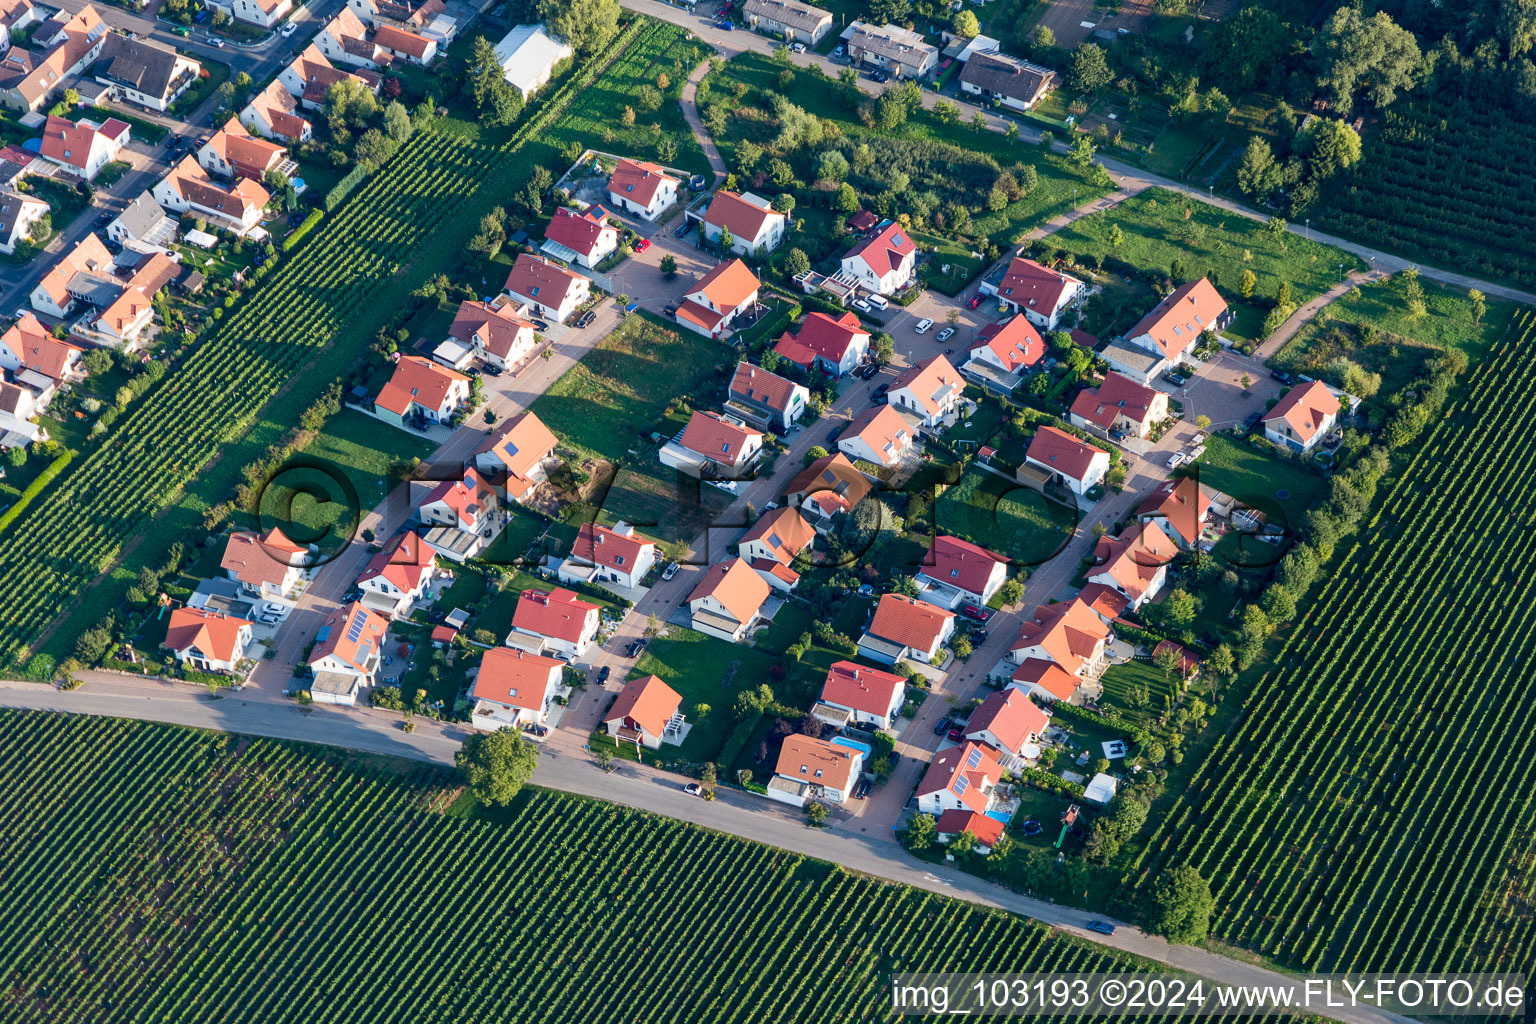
403,46
126,307
515,690
618,555
1134,563
1180,508
1010,723
19,214
1009,83
585,237
554,622
714,447
263,13
898,50
233,152
311,74
835,346
547,289
143,221
962,778
1037,291
1066,633
643,189
235,205
528,56
81,271
494,332
789,20
883,263
826,489
880,436
206,640
753,223
1045,680
464,515
957,571
1077,464
421,389
144,72
1171,330
1119,405
269,565
813,769
647,713
516,455
347,653
861,695
397,576
904,627
1004,352
765,399
1302,417
712,305
18,405
931,391
728,601
273,113
986,831
83,147
63,45
344,40
772,543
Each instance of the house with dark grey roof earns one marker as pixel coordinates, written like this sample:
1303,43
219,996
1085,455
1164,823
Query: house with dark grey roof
143,221
142,72
897,50
789,20
1015,84
18,214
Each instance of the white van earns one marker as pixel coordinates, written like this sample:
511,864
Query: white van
923,325
879,302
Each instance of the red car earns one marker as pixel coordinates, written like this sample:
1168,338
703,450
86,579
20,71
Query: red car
975,300
976,614
642,244
957,734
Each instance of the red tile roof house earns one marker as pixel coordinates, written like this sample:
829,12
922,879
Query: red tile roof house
885,262
712,305
728,601
826,489
962,778
207,640
556,622
465,515
421,389
77,272
958,571
1077,464
765,399
234,152
1010,723
347,653
647,713
932,391
835,346
398,575
27,345
585,237
1005,353
643,189
904,627
548,290
755,226
1120,405
602,555
813,769
515,690
1303,417
714,447
955,822
311,73
880,436
516,455
83,147
1037,291
1045,680
1180,508
1067,634
236,205
1134,563
772,543
270,565
1169,332
273,113
494,333
862,695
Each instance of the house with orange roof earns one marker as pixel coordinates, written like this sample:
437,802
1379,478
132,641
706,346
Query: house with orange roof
311,73
236,205
1169,332
1107,602
1066,633
1011,724
554,622
273,113
931,391
1005,352
125,315
515,690
766,400
714,447
207,641
1134,563
772,543
884,262
464,515
1180,508
26,348
83,147
810,769
516,455
835,346
80,272
1074,463
647,713
398,575
547,289
904,627
957,571
421,389
1302,417
347,653
1041,293
712,305
728,600
494,332
986,831
345,40
1119,405
62,46
233,152
643,189
826,489
962,778
602,555
752,222
858,694
585,237
267,565
403,46
880,436
1044,680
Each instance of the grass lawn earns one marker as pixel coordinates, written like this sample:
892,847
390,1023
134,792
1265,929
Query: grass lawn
997,513
140,129
946,252
515,540
216,74
65,202
1122,678
705,670
1263,480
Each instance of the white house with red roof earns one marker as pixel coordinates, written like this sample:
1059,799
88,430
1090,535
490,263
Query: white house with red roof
728,600
232,152
581,236
517,454
1134,563
1180,508
765,399
1011,724
1119,405
647,713
904,627
861,695
80,272
545,288
1302,417
422,389
884,262
236,205
208,641
962,778
555,622
826,489
494,332
772,543
880,436
1044,680
602,555
1005,352
311,73
987,831
26,346
1070,461
83,147
932,391
269,565
810,769
1067,634
347,653
273,113
464,515
754,225
833,345
398,575
714,447
712,305
643,189
1169,332
515,690
957,570
1039,292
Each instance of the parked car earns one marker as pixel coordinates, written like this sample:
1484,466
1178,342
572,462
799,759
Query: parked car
797,48
839,50
956,733
669,571
881,76
683,228
669,311
1282,377
944,335
216,42
1115,435
289,29
975,613
881,391
1178,380
642,244
641,645
603,673
693,789
978,636
862,306
585,320
1252,420
1102,927
725,26
491,370
941,727
923,326
975,300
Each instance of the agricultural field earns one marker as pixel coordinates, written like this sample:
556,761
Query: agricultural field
1006,517
1371,808
193,877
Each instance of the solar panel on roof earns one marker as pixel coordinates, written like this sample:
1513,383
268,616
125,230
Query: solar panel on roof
961,785
974,760
356,629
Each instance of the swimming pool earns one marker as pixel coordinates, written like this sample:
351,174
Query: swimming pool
1003,816
843,741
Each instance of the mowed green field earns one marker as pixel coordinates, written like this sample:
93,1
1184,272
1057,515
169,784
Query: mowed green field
154,874
1004,516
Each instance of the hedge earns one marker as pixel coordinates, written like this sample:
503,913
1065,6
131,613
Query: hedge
303,229
35,488
344,187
